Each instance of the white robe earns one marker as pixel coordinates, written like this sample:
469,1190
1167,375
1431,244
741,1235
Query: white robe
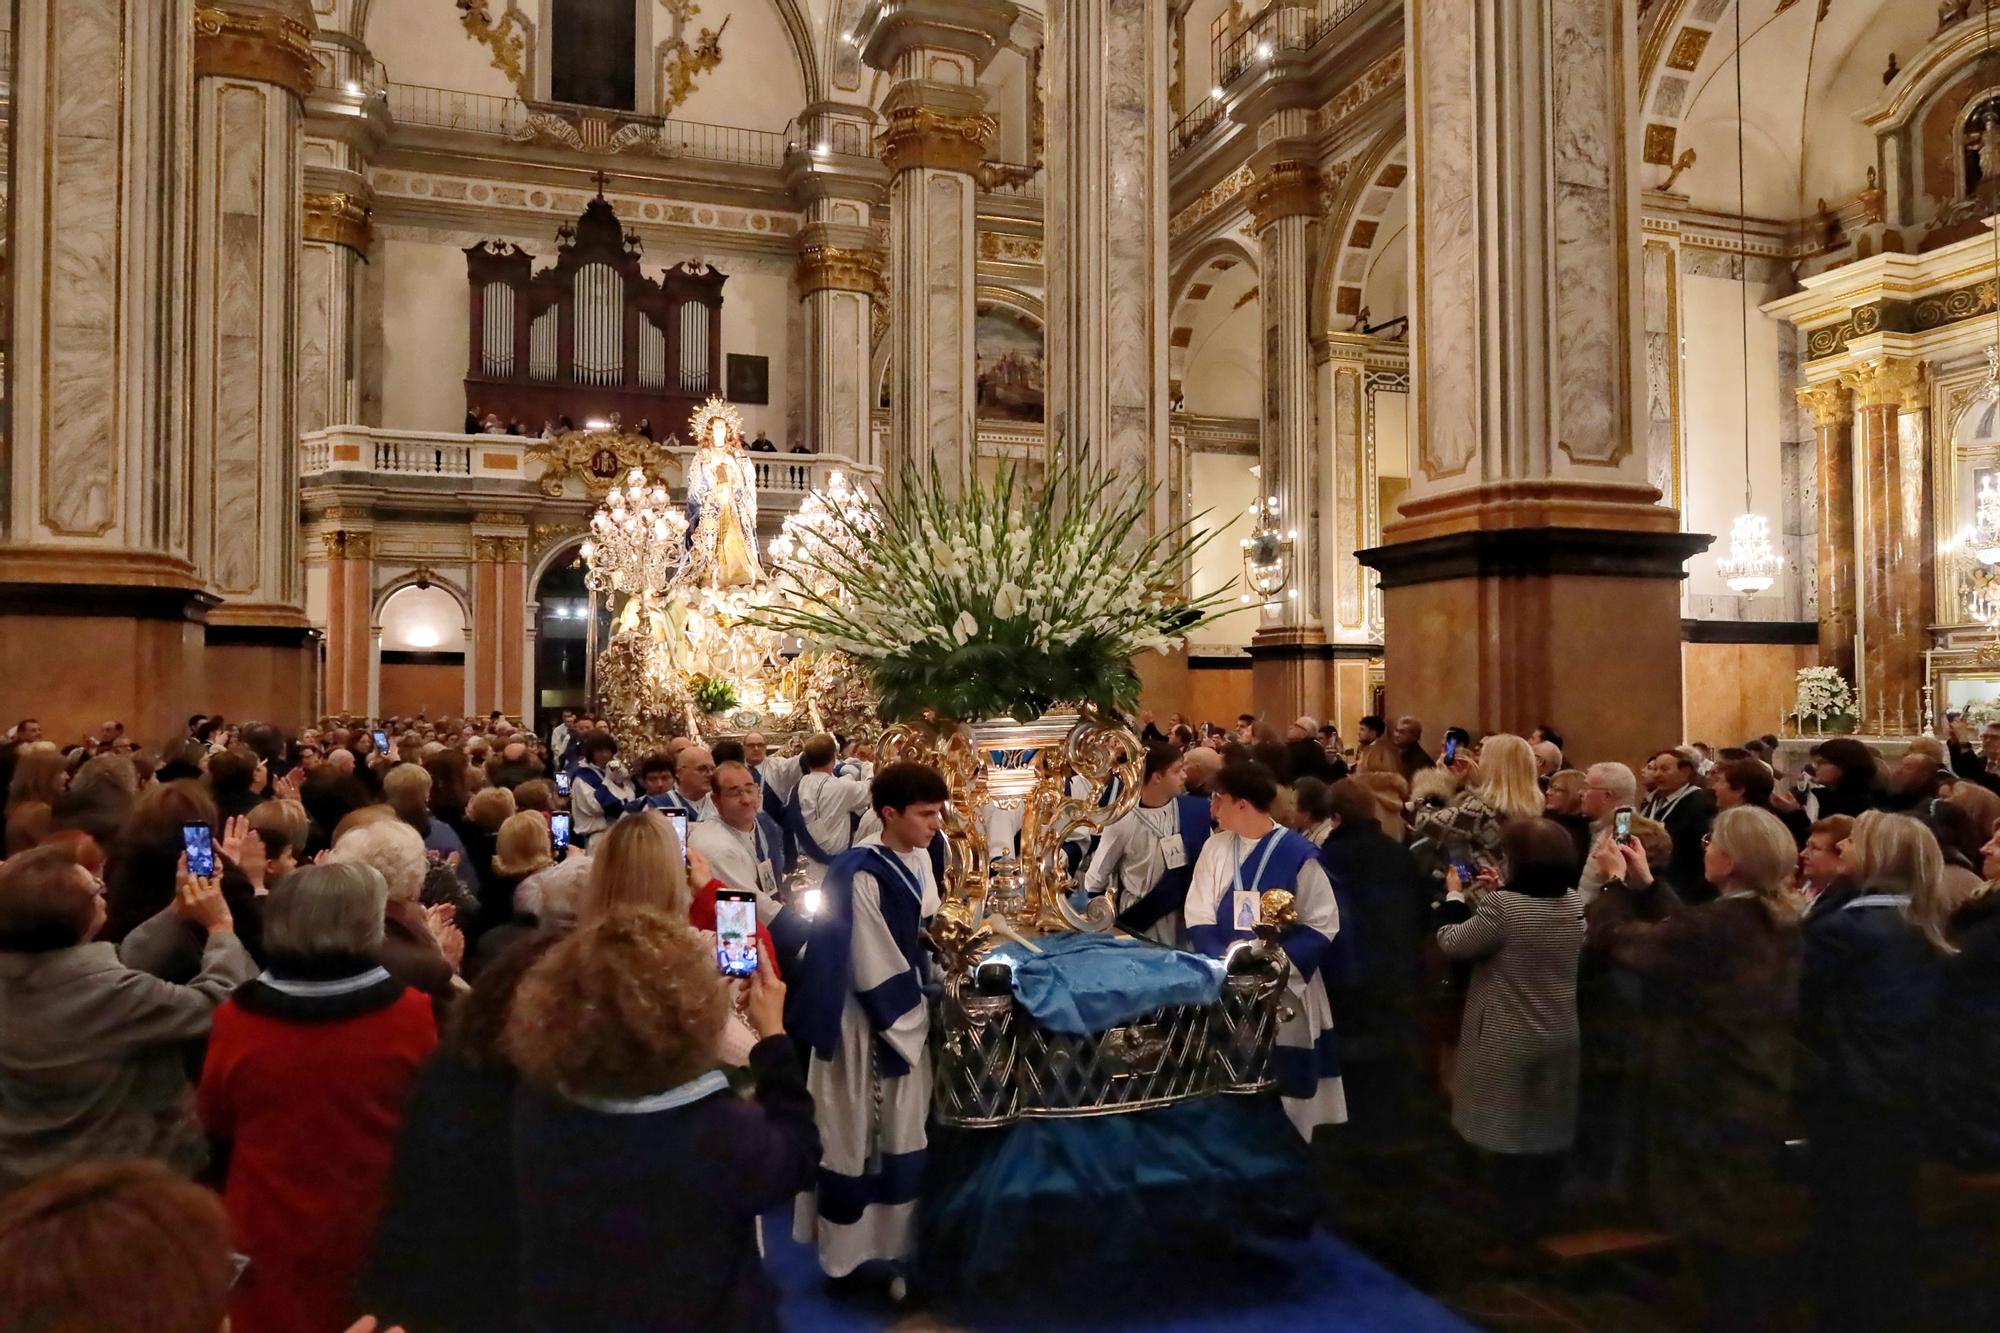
1129,862
732,855
828,805
865,1119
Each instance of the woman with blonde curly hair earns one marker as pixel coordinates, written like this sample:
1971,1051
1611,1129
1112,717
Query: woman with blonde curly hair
1501,788
615,1034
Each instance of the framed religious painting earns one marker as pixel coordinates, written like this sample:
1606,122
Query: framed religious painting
749,379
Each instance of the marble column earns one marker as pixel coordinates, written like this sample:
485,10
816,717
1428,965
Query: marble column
1532,573
337,233
1893,561
348,538
935,135
1106,236
254,67
842,189
1345,491
1833,422
101,596
499,614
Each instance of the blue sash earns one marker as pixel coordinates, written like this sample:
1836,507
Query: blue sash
775,809
771,847
1274,863
817,994
612,806
671,799
796,822
1169,893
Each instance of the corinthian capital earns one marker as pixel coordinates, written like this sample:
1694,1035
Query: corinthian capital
1827,401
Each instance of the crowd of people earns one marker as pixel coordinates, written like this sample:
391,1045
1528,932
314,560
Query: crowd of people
441,1038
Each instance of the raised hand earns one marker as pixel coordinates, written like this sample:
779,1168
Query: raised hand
245,850
200,901
765,1005
700,872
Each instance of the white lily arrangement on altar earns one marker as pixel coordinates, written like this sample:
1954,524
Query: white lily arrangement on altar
1823,695
997,601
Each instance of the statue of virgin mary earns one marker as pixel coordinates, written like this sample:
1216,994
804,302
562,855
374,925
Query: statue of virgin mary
721,505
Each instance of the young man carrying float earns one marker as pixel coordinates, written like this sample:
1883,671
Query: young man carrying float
1147,858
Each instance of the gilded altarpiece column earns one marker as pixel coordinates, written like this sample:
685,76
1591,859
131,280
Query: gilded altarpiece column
1894,563
1106,235
1833,422
1531,538
934,137
254,66
101,596
841,187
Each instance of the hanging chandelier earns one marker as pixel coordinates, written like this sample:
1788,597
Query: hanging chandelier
636,539
1752,565
1267,555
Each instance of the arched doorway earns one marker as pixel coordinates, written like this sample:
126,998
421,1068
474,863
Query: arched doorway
561,610
420,636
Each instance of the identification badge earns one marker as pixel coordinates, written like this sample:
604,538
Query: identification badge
767,881
1173,851
1248,910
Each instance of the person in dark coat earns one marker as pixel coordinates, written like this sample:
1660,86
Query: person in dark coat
1846,778
1721,988
1376,989
444,1256
1687,809
639,1175
1868,999
1964,1053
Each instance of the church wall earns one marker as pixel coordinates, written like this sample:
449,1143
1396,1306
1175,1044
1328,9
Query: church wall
1216,692
422,42
756,313
1225,373
1733,691
1222,486
1712,416
758,84
424,346
433,688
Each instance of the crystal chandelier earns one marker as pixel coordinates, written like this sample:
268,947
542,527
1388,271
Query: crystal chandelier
841,518
1267,555
1752,565
636,539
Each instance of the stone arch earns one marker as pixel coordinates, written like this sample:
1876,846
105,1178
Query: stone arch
1189,288
1353,226
411,579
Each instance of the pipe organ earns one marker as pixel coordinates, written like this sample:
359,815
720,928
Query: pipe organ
590,335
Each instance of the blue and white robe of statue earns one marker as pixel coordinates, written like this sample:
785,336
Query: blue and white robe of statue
1131,862
1306,1061
857,1004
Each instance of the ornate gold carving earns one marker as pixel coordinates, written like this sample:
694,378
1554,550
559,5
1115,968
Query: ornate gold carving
836,268
341,544
1002,175
1827,402
1287,190
1887,381
338,219
1681,164
1384,74
507,39
1005,247
920,137
1214,197
545,536
685,61
1688,47
1950,307
499,550
487,518
599,459
1659,150
259,45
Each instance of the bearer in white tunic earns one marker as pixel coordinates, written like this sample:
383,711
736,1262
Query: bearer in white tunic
742,844
1247,856
827,813
860,1009
1145,859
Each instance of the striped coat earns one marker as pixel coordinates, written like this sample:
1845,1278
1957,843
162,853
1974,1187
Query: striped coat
1515,1086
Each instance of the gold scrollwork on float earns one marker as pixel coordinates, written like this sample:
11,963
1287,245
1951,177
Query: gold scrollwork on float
259,45
917,136
337,219
598,459
1287,190
836,268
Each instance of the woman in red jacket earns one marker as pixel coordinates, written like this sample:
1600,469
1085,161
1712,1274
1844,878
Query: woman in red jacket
308,1068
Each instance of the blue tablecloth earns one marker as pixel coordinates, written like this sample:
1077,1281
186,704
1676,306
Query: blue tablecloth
1081,984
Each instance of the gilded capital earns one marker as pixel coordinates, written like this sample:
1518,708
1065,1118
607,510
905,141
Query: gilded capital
252,43
1827,401
499,550
837,268
917,136
341,544
1887,381
1286,190
338,219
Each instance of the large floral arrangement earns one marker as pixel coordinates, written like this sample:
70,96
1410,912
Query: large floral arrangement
1824,697
998,601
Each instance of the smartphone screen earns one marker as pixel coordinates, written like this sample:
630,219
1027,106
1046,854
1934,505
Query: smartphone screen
1467,872
382,741
1450,748
680,822
562,784
199,840
736,932
559,832
1621,823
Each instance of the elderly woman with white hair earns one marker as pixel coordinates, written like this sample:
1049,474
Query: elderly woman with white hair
307,1073
421,949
